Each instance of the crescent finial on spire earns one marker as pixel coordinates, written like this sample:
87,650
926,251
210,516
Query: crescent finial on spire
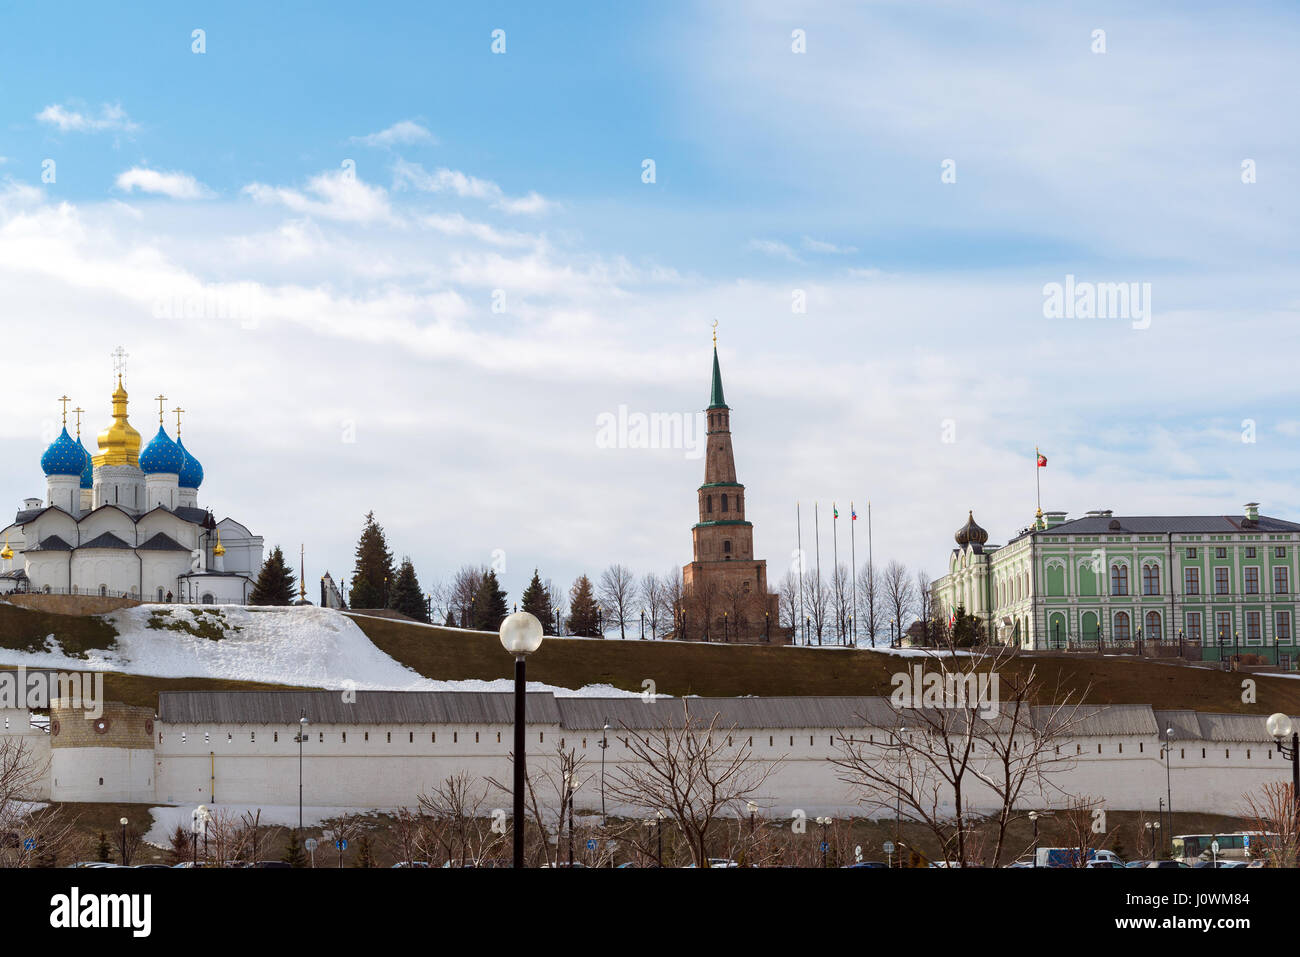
715,333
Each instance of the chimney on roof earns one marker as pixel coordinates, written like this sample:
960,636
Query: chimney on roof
1054,518
1100,513
1252,511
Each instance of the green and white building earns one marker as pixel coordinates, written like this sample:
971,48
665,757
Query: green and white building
1223,582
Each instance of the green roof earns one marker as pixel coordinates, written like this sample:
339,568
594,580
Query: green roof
716,401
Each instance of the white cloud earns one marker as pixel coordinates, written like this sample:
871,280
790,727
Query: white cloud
403,133
444,180
337,195
774,248
819,246
111,118
174,184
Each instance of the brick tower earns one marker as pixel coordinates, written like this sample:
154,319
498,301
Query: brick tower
724,589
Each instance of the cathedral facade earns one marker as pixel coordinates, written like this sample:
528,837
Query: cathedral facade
126,523
724,588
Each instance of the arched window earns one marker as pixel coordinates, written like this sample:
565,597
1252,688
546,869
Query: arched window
724,501
1150,580
1151,631
726,547
1119,579
103,591
160,593
207,598
1122,632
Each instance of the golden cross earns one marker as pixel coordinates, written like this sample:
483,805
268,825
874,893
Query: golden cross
119,361
160,399
178,410
65,400
78,410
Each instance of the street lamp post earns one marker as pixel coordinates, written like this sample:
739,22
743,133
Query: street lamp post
521,635
1169,790
659,833
301,738
1033,817
604,745
1280,727
1153,834
823,822
643,624
125,857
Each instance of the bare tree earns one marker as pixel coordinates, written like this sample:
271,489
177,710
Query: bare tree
464,586
652,599
898,595
817,603
615,592
672,599
1273,809
842,597
924,606
789,591
549,798
871,611
406,834
692,772
338,832
559,603
40,835
454,810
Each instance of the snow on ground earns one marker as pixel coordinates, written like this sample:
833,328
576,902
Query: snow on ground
307,646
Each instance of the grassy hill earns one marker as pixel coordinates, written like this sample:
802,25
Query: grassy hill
679,668
23,629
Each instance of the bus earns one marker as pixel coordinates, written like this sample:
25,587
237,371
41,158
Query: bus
1234,846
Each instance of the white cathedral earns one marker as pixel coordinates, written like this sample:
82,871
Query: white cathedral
126,523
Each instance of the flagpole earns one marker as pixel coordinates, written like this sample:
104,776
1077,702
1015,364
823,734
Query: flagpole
871,571
817,537
853,560
799,541
1038,485
835,565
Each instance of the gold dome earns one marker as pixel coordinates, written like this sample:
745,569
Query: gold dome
220,549
8,552
119,444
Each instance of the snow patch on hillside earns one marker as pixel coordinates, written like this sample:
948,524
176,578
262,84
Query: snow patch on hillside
306,646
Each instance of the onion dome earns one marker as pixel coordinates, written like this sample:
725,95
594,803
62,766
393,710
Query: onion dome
162,455
65,456
220,549
88,471
971,533
191,472
6,553
119,444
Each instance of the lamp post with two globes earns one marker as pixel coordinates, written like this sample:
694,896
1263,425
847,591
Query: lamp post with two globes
521,635
1280,727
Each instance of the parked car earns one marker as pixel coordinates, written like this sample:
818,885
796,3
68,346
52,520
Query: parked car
868,864
1069,856
1105,865
150,867
1166,864
270,864
93,864
1220,864
1142,863
417,864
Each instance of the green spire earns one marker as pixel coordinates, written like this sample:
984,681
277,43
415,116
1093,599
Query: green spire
716,401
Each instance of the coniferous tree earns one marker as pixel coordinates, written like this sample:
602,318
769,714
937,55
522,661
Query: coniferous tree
181,846
537,601
489,607
365,856
405,595
451,620
102,849
583,610
275,583
293,853
373,576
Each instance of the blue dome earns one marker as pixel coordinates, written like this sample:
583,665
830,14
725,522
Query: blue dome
65,456
191,474
161,455
87,473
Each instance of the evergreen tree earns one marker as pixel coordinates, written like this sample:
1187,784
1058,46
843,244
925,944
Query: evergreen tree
583,610
405,595
489,607
275,583
967,630
451,620
102,849
537,601
293,853
373,576
181,846
365,856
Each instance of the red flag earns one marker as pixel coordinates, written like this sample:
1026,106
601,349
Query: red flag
1042,460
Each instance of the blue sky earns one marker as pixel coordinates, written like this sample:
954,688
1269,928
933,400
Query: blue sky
221,176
